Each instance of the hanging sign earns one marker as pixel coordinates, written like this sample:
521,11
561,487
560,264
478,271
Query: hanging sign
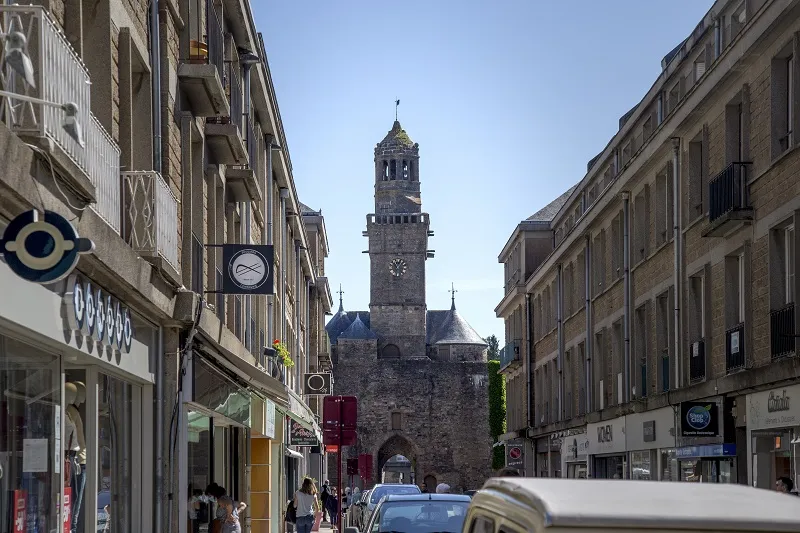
98,316
42,250
301,436
247,269
317,383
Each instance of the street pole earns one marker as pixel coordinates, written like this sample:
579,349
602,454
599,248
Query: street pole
339,468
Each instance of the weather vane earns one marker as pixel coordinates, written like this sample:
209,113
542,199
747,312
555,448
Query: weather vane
340,292
452,292
396,105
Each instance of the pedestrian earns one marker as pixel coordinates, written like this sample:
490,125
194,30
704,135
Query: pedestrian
323,498
332,504
785,484
442,488
307,505
230,511
509,472
424,488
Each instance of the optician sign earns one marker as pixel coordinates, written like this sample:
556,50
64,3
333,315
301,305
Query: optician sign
98,316
775,408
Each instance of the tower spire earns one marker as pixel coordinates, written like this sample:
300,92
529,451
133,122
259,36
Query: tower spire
452,292
341,303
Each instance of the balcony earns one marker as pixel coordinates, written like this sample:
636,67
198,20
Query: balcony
510,355
60,77
782,331
224,134
697,361
729,201
201,75
151,220
734,348
242,182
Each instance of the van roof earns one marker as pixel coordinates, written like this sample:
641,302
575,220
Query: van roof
650,504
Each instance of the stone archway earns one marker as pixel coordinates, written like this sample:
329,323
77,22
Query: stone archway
393,446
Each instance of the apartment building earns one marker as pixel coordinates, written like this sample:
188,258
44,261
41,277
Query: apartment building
650,311
137,138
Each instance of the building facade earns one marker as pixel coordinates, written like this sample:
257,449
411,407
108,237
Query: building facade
419,375
650,310
138,137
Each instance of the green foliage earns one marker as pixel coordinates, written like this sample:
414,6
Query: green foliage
493,352
497,409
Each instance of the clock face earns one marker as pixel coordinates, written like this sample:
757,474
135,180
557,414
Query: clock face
398,267
248,269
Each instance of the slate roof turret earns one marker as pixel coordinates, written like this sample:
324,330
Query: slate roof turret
358,331
398,136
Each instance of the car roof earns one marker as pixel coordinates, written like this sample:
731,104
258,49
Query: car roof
656,504
426,497
379,485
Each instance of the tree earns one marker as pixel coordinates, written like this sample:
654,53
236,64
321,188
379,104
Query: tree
497,402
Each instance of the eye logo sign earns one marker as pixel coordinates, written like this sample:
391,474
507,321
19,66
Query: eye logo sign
97,316
42,250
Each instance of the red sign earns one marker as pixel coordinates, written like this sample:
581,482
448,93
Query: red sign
515,452
331,448
365,466
339,420
67,508
20,506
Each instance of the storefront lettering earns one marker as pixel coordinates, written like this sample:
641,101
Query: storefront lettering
605,433
96,315
777,403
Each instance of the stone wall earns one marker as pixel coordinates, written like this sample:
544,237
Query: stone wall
357,351
443,412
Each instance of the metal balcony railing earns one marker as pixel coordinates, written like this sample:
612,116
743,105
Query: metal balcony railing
151,225
781,331
252,144
728,191
102,164
697,361
509,354
234,90
734,348
215,37
59,75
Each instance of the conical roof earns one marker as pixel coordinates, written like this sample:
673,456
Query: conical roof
358,331
398,136
336,325
455,330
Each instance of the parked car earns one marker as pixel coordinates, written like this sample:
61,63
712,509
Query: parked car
384,489
417,513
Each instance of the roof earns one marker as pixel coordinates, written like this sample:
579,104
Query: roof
427,497
549,212
342,320
454,329
305,210
397,135
357,330
618,504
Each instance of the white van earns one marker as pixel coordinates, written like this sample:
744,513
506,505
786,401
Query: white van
528,505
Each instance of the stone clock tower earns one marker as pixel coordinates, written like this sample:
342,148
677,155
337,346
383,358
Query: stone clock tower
398,248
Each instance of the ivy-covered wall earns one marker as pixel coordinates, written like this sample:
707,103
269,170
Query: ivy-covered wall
497,412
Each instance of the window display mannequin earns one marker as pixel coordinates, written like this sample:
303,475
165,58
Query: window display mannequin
76,447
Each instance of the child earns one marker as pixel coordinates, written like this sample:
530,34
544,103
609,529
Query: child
230,522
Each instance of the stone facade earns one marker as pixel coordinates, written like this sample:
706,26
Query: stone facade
420,376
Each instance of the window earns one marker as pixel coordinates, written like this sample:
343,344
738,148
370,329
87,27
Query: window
397,421
219,297
617,246
641,225
616,357
197,265
481,524
598,263
783,88
663,206
697,307
641,349
736,126
782,266
581,358
599,370
663,344
579,293
567,297
698,175
568,385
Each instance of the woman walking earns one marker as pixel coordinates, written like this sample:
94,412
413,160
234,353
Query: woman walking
307,505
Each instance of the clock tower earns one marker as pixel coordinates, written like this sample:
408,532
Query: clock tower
398,248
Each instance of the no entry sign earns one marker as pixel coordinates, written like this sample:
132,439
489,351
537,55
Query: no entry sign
515,453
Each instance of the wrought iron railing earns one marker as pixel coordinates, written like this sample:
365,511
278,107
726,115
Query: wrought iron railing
782,331
509,353
734,348
234,89
59,75
728,191
102,162
216,39
697,361
151,215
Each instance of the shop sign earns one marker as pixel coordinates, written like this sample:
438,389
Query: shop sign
98,316
649,431
606,437
708,450
575,448
20,507
515,453
269,428
317,384
67,508
699,419
300,435
776,408
248,269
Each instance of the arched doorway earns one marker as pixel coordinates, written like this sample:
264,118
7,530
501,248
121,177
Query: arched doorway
397,470
399,453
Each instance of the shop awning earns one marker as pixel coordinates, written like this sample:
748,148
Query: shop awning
293,454
299,412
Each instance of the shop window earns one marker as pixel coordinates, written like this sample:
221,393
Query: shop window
669,465
640,465
30,406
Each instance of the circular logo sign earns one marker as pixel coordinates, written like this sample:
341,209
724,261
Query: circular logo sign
98,316
316,382
515,452
42,251
248,269
699,417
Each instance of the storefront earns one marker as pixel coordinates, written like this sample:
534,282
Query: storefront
650,441
76,371
574,449
703,455
606,453
548,456
773,435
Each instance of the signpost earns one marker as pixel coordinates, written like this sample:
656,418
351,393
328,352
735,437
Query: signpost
339,423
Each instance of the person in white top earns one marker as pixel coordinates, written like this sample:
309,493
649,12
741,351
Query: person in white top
306,505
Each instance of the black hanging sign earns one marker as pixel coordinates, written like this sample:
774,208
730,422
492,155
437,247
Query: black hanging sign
247,269
42,249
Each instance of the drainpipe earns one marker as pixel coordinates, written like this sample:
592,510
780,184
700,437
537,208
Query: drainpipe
626,264
297,307
268,237
284,195
587,266
158,413
529,356
308,325
678,245
560,318
155,90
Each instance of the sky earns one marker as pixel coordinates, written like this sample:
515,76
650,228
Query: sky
508,101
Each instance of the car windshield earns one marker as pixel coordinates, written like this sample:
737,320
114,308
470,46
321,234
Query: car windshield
432,516
380,492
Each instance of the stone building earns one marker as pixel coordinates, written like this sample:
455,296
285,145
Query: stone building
650,311
181,146
419,375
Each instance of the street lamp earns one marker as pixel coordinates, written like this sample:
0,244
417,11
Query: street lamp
15,56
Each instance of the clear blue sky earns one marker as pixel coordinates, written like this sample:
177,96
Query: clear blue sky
508,100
